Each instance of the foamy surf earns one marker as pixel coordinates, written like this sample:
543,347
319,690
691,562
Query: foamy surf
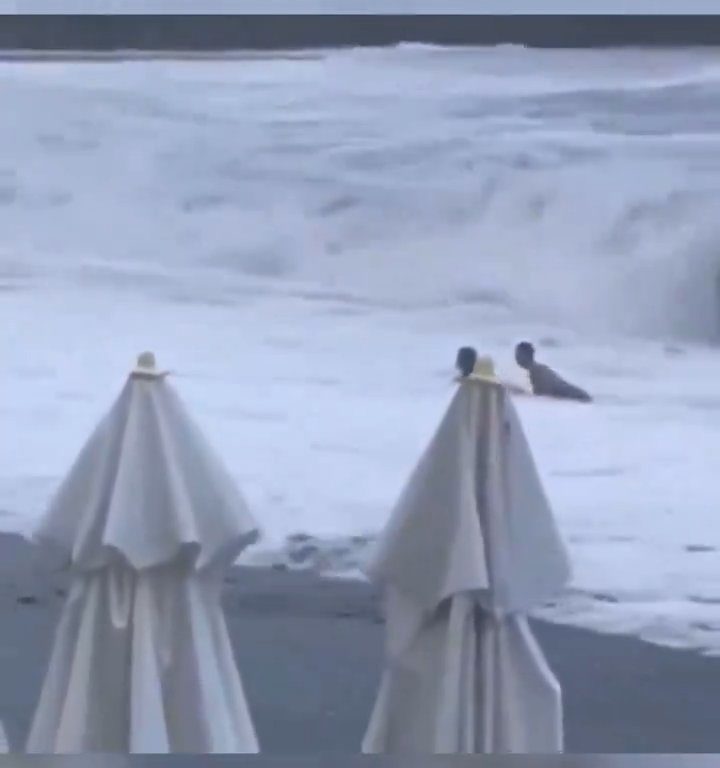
308,242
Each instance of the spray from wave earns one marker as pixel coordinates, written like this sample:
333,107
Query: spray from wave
605,246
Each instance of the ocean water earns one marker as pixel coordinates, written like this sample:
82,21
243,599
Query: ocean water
307,239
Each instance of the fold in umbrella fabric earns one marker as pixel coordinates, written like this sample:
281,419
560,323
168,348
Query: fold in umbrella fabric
471,547
148,520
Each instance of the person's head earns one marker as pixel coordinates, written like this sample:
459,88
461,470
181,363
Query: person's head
525,354
465,361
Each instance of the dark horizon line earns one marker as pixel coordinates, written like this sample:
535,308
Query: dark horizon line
227,32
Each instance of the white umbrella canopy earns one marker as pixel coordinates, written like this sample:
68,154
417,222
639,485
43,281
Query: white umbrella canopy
471,546
148,520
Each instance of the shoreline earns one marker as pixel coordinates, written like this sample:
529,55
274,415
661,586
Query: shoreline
309,650
340,560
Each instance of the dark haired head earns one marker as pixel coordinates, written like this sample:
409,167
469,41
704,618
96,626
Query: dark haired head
465,361
525,354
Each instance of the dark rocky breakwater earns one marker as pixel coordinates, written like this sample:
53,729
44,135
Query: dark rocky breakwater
218,33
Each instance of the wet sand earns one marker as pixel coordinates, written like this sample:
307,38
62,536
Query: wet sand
310,653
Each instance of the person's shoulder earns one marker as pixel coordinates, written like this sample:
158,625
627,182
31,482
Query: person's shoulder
542,371
546,381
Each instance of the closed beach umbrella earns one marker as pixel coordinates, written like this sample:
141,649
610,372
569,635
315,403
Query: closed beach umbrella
470,548
148,520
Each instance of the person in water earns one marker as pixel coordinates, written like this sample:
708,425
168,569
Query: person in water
544,380
467,362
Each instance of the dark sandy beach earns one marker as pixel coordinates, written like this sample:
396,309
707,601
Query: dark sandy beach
310,651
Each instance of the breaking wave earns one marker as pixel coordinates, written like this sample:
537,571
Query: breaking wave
584,195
